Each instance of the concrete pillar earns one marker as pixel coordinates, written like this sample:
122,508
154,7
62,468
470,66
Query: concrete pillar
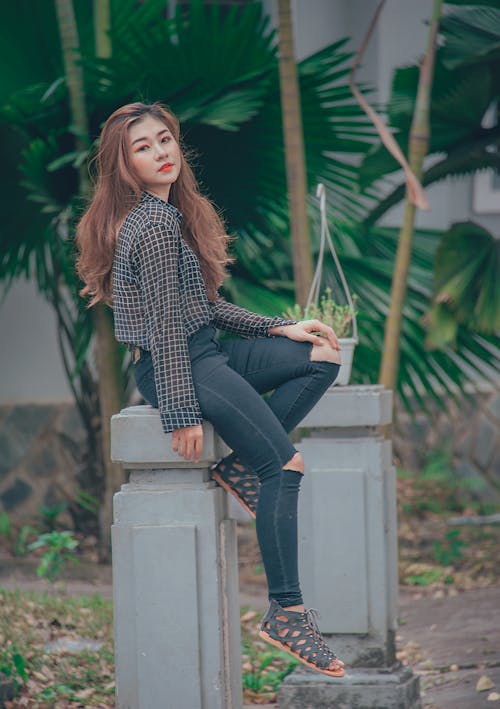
348,554
175,575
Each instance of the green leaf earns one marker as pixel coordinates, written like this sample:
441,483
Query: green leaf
467,276
472,35
442,327
68,159
484,3
20,665
459,100
5,524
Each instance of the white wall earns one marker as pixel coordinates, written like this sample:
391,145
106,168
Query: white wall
31,370
30,366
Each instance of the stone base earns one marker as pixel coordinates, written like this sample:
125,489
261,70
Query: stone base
6,688
175,589
396,688
371,651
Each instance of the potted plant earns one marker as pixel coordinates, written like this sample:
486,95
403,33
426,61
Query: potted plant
340,318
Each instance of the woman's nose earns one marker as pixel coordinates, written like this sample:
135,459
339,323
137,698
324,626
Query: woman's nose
161,150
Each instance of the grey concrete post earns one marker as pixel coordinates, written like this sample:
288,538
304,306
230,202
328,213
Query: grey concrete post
175,575
348,554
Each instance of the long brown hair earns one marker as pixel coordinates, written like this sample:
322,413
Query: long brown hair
117,192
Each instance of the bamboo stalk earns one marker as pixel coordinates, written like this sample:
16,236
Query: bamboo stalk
415,192
294,156
418,147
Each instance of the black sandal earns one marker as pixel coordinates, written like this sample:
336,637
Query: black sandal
239,482
298,634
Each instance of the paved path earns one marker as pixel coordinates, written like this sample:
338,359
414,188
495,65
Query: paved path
451,642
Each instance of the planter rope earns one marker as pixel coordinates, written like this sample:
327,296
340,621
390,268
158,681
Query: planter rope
325,240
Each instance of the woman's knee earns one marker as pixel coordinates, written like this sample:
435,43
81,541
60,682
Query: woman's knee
296,463
325,353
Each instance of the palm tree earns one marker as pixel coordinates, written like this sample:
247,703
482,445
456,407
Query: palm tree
223,111
109,357
219,73
108,362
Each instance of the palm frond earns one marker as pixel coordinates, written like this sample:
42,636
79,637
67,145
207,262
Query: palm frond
423,371
472,36
460,98
466,286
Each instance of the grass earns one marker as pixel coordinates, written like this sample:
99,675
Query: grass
56,680
433,553
64,680
264,667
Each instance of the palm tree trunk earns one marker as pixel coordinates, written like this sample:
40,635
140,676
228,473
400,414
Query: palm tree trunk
68,34
418,147
102,25
110,389
294,156
109,385
108,356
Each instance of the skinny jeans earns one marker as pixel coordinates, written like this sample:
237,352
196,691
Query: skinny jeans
229,378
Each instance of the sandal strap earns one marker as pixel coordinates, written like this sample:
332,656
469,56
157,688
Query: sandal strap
299,632
313,615
244,483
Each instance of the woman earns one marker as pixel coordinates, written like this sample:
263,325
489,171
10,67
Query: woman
155,249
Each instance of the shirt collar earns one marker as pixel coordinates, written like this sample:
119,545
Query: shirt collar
148,197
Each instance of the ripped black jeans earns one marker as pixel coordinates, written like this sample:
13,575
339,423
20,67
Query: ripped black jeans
229,378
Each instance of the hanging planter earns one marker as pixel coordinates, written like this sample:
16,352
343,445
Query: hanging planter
341,318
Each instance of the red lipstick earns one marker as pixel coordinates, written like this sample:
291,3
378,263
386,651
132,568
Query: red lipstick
166,167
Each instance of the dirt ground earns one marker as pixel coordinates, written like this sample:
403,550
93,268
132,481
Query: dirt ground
450,638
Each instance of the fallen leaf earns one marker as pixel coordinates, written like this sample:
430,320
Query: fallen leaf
42,678
484,683
85,693
249,615
47,672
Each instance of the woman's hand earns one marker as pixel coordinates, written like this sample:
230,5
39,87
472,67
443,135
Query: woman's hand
303,332
188,442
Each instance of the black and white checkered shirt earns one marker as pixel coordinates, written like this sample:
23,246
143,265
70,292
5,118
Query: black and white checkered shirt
159,300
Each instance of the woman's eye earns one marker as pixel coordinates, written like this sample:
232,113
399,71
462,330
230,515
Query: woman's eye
165,139
142,148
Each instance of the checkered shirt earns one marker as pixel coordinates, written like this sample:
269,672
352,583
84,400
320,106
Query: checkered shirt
159,300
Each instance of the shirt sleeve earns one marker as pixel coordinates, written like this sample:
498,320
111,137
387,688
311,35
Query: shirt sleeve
240,321
156,256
